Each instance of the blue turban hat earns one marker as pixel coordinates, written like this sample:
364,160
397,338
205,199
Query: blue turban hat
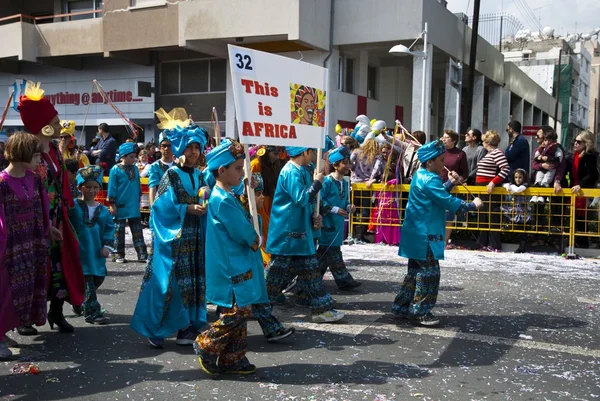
90,173
431,150
182,137
294,151
125,149
224,154
338,154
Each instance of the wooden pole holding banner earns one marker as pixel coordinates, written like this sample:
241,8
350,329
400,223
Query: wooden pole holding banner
5,112
250,191
318,170
217,128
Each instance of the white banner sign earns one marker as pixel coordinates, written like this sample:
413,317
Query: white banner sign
278,100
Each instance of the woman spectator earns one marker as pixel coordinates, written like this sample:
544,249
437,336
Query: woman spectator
474,151
492,170
583,168
455,160
366,165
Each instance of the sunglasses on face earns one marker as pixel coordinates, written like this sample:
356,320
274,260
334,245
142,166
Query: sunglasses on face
577,141
165,145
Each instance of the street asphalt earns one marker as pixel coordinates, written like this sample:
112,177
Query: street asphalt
514,327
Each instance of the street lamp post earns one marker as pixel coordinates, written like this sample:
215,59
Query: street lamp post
401,50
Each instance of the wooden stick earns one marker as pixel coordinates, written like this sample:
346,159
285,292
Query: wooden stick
215,119
250,192
446,168
5,112
318,169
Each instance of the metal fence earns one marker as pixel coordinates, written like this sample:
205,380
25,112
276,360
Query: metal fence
533,211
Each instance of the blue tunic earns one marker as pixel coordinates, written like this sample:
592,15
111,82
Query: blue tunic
290,228
333,194
94,232
124,190
156,172
234,268
173,287
425,217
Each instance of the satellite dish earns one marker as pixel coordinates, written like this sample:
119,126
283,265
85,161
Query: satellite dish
548,32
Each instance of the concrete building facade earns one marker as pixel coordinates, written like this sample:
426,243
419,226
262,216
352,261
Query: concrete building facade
185,43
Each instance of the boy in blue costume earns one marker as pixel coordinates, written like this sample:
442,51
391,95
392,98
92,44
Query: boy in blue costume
234,269
95,229
291,241
335,209
124,193
270,325
172,295
423,234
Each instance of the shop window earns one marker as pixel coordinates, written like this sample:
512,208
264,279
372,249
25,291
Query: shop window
193,76
372,72
346,77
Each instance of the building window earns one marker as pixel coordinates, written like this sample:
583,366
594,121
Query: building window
90,8
147,3
372,82
346,78
193,76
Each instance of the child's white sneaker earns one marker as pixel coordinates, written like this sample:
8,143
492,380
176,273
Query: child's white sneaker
540,199
533,199
328,317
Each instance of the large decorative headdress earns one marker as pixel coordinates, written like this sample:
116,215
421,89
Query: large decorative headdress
180,130
36,110
223,155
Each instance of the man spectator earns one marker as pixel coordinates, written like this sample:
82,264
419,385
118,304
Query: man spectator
517,152
106,150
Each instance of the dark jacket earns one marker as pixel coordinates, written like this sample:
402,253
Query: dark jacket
517,154
587,173
108,148
561,168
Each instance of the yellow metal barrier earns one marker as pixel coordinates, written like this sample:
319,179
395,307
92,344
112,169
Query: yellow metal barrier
534,211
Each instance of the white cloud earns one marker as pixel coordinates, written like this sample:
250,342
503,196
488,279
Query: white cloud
564,16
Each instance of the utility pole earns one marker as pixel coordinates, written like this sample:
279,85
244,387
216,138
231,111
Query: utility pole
472,61
557,90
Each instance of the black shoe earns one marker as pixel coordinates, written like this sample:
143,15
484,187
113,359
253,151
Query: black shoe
56,317
281,334
245,370
520,249
77,310
97,319
428,320
208,367
27,330
351,285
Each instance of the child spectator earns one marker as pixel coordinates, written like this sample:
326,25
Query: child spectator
124,193
336,208
518,212
96,230
24,228
551,155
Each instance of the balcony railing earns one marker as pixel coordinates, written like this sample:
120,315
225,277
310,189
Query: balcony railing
48,18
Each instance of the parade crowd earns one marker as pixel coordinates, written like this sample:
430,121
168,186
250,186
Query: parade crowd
55,236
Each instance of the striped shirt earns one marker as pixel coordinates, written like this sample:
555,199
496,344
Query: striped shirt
492,168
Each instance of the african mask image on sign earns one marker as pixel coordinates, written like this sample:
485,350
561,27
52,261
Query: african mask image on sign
265,112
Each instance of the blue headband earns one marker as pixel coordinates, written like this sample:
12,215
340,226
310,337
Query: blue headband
431,150
181,138
90,173
125,149
294,151
339,154
260,183
224,154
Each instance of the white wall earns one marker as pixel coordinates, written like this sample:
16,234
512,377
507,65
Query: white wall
543,75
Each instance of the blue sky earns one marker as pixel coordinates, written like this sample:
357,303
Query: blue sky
564,16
